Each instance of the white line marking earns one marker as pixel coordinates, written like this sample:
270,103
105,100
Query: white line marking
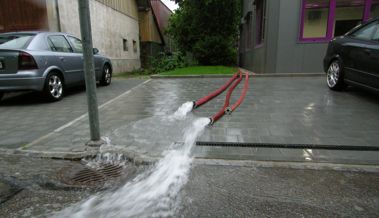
101,106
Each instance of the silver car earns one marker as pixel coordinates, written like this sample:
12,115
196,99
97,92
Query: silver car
47,62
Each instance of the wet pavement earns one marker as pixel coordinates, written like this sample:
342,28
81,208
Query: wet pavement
29,187
276,110
224,180
26,116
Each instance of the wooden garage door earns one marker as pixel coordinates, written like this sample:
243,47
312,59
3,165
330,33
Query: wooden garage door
22,15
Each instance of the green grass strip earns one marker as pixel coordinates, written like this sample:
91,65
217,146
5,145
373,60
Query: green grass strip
202,70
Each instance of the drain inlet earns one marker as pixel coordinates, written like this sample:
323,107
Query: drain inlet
82,175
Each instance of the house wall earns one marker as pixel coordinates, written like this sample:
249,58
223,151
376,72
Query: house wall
23,15
281,52
272,29
109,29
149,31
294,56
253,59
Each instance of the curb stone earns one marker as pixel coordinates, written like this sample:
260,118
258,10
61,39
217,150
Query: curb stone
141,159
229,75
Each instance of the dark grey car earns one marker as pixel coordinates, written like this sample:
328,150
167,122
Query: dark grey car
353,59
47,62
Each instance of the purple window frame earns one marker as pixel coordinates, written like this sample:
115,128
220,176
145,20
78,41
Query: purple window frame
332,10
260,10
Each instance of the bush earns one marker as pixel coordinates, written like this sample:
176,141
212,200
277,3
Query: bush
215,50
164,63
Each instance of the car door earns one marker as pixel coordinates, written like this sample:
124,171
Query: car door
98,60
356,67
67,59
372,60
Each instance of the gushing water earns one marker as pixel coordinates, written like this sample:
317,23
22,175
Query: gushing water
182,111
153,193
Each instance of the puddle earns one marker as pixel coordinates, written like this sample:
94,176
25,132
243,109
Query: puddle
155,192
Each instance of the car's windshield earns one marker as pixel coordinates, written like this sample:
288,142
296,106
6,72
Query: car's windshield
14,41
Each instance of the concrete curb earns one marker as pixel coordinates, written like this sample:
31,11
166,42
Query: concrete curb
229,75
141,159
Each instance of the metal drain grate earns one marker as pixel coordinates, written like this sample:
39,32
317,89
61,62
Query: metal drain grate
79,174
293,146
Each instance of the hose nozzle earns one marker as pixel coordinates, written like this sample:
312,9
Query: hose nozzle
194,104
211,123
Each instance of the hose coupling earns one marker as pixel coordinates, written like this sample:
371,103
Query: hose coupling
194,104
228,110
211,123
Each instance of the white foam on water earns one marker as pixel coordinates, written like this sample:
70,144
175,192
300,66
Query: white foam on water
153,193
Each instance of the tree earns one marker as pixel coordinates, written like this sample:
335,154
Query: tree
207,28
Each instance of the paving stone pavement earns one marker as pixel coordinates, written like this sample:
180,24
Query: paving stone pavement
278,110
26,116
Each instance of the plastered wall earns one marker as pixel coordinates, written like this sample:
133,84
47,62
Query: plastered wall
109,29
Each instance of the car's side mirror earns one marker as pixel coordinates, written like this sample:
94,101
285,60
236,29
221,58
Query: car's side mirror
95,50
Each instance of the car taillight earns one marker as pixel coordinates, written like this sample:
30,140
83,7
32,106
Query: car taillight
26,62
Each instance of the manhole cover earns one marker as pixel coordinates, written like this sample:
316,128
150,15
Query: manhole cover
94,175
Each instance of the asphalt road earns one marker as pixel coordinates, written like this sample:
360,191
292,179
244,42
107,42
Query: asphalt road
29,188
26,116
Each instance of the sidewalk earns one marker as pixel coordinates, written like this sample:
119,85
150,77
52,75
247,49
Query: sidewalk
276,110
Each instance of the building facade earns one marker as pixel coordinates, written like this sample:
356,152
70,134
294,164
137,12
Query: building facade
115,28
282,36
115,25
153,16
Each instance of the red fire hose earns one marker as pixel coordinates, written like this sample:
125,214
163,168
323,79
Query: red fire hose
222,111
230,110
207,98
226,108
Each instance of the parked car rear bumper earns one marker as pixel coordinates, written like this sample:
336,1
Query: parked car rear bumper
22,81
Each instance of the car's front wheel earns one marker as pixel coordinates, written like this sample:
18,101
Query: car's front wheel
334,76
106,77
53,89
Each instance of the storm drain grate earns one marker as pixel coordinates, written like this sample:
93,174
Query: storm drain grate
83,175
293,146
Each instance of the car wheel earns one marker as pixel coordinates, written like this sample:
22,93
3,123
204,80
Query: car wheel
106,77
1,95
334,76
53,89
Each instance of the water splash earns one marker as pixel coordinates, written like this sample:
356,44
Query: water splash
153,193
147,132
182,111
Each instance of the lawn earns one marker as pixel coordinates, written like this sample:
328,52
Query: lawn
202,70
196,70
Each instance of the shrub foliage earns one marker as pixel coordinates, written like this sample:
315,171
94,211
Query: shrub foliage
207,28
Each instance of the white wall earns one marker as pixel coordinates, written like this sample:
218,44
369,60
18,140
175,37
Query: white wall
109,28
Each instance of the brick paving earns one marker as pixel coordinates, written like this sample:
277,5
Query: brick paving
284,110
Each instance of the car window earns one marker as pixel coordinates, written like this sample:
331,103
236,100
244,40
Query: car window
77,44
15,41
59,43
364,32
376,36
